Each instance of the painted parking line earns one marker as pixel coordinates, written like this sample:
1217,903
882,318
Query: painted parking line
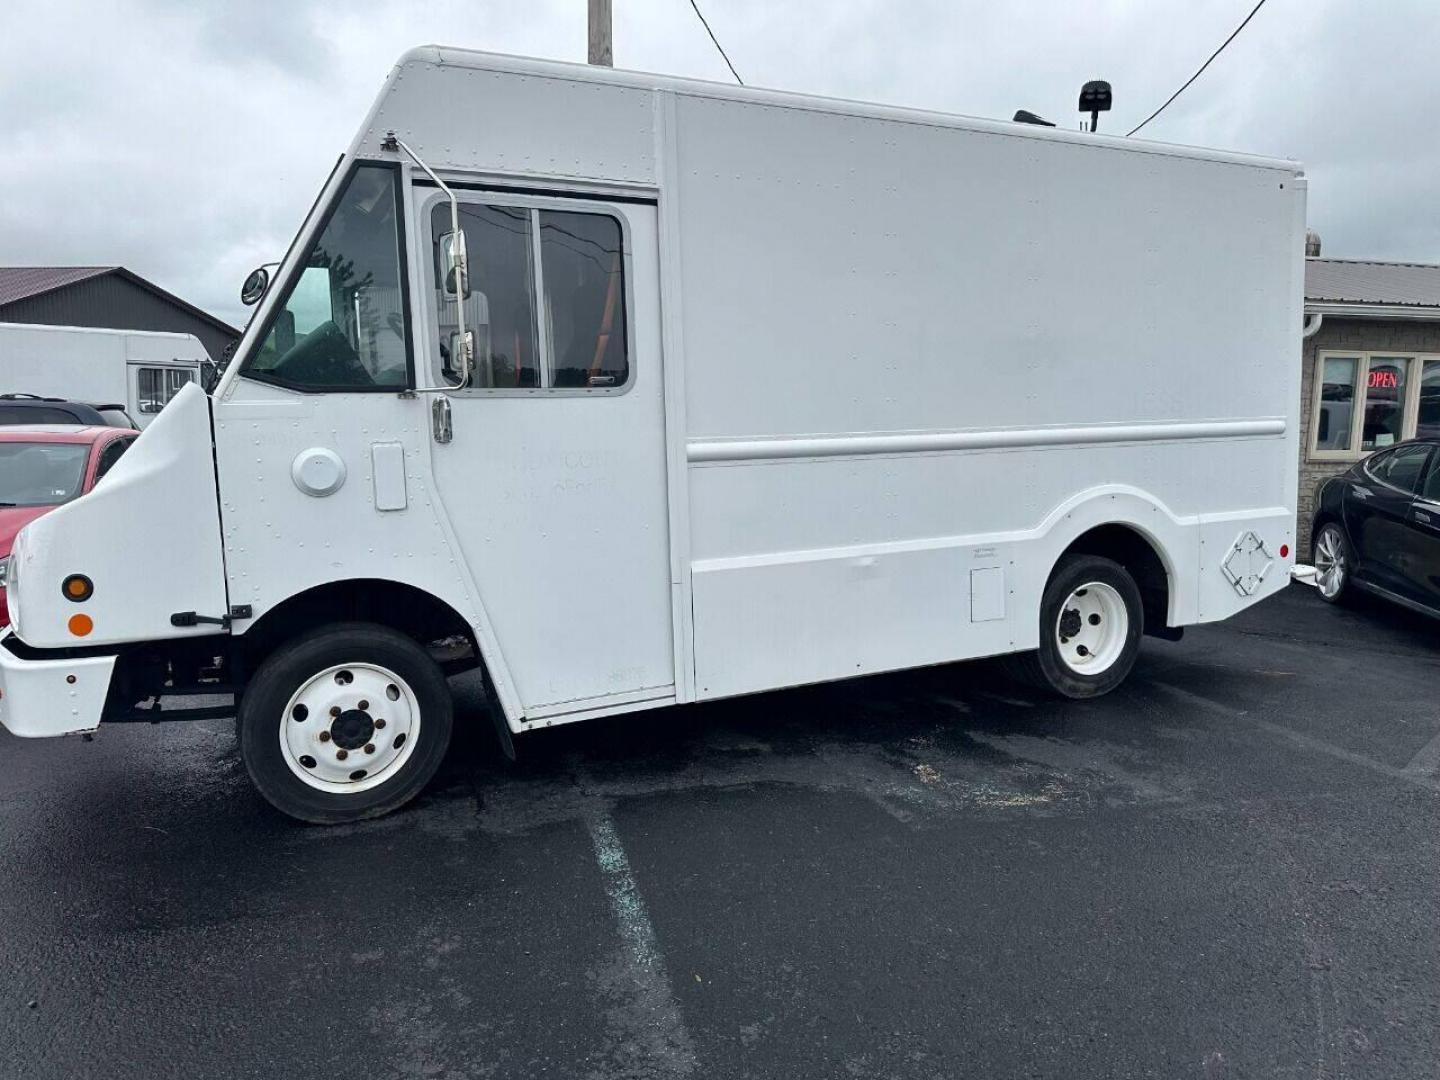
1427,761
651,1027
1309,742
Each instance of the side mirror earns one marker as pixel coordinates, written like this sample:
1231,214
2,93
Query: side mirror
461,362
255,286
455,264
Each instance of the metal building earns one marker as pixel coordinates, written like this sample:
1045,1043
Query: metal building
105,296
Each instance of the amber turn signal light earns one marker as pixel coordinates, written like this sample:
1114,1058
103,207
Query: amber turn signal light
77,587
81,625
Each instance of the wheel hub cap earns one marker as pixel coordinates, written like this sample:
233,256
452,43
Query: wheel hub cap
1092,628
352,729
349,728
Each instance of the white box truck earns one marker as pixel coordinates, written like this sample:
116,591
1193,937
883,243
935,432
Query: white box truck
632,390
140,370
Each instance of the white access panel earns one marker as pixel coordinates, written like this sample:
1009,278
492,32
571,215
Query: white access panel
387,461
987,594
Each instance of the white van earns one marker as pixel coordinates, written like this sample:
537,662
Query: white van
724,390
139,369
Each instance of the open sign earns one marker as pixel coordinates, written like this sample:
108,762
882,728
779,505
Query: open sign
1384,379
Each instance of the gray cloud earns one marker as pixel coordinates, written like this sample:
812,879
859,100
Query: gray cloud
186,138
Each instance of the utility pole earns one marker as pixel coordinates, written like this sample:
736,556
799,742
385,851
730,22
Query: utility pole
600,33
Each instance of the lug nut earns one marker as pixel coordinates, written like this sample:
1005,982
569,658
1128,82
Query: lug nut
342,754
324,736
369,747
379,723
363,705
335,710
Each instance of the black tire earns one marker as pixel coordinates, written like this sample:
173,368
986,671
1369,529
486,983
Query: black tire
1045,667
1343,592
291,666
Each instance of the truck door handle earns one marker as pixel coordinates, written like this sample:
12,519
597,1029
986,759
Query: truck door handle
1422,517
440,419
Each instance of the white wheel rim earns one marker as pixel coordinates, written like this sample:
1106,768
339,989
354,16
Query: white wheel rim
1329,562
350,728
1091,629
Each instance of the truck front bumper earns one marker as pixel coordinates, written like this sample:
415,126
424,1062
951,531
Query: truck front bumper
51,696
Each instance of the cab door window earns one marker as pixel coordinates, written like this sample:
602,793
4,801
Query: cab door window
500,306
546,300
583,270
342,325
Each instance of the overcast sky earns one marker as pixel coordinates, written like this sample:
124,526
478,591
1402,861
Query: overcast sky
185,139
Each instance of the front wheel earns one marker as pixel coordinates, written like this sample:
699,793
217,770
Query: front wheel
1091,619
347,722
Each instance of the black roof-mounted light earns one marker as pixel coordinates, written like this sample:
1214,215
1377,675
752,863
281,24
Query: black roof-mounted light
1095,99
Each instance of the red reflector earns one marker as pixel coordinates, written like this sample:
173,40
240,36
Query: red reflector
1284,551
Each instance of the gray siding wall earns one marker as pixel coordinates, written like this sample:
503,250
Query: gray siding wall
112,302
1401,336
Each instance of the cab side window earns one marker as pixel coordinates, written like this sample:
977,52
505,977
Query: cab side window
342,325
546,300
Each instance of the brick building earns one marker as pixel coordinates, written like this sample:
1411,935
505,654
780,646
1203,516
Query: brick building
1371,365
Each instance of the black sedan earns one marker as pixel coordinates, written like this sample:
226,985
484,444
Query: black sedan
1377,528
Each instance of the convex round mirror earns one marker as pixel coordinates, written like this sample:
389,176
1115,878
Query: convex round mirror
255,286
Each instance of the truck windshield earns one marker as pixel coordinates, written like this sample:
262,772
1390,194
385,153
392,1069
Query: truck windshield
342,324
41,474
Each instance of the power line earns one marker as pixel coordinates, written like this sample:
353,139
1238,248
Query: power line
716,40
1197,74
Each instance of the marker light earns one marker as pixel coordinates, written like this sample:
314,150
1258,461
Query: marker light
77,587
81,625
1284,551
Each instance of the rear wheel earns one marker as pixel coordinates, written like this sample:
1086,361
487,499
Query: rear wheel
348,722
1091,619
1332,563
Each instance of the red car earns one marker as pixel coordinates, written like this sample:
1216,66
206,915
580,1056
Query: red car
44,466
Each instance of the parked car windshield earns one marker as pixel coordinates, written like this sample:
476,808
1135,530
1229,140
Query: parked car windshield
41,474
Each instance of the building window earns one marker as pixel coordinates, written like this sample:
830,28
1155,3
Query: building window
1427,417
1368,401
1335,408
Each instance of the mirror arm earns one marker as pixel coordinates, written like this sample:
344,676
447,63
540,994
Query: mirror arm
462,270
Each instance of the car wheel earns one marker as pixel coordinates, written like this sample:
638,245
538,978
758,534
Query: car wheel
344,723
1091,620
1332,563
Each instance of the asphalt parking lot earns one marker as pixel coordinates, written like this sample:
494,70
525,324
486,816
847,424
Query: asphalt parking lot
1226,869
